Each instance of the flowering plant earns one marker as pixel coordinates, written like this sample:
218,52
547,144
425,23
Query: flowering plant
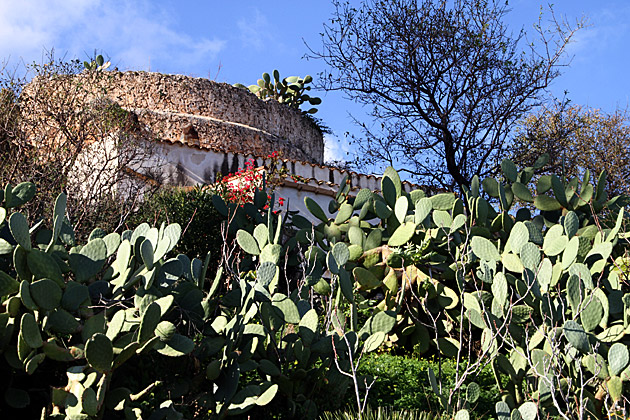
240,187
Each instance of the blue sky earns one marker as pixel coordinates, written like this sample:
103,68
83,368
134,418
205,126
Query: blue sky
236,41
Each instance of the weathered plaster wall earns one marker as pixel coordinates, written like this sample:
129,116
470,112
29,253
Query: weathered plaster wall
206,114
185,166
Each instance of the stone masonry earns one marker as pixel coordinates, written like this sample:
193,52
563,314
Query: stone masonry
199,112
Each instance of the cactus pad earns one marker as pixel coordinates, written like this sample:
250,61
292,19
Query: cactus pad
99,352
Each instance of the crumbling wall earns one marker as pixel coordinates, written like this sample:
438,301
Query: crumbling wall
206,114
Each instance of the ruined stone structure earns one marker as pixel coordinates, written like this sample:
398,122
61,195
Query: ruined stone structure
192,130
209,115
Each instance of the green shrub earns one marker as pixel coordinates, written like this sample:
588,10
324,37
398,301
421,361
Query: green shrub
403,383
193,210
381,413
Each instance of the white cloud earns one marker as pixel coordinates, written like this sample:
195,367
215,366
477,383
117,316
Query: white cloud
605,29
135,34
336,149
255,30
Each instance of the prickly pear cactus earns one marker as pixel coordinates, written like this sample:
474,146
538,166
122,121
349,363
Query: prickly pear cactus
86,309
533,266
290,90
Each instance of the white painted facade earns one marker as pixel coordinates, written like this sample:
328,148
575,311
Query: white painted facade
179,164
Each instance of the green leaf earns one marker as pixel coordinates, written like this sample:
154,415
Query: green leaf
62,321
522,192
442,219
472,392
400,209
509,169
422,209
362,197
443,201
529,410
382,210
576,336
402,234
261,233
503,410
46,294
8,285
269,393
346,285
150,321
500,289
146,251
365,278
89,260
571,224
389,191
177,346
558,190
5,247
269,368
555,246
570,252
89,402
484,249
74,295
344,213
462,415
341,253
373,239
25,296
315,209
356,236
247,242
491,186
21,194
20,231
165,330
521,313
43,265
546,203
29,330
33,362
530,256
615,388
285,308
382,321
519,236
448,346
618,358
308,326
374,341
99,352
266,273
458,222
591,315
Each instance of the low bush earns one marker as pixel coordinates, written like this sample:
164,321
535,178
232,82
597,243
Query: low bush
403,383
381,413
190,208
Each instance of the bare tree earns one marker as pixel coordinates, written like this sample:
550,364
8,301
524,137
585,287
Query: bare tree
446,80
59,130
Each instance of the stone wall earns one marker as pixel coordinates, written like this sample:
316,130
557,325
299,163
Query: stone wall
207,114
